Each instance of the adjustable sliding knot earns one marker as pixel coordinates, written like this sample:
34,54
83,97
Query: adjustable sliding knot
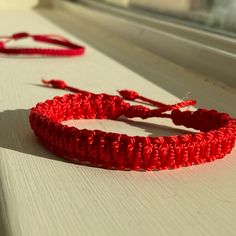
144,112
215,137
137,111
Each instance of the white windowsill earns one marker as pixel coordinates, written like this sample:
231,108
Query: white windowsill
42,195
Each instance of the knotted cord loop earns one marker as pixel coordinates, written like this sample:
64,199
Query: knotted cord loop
215,139
71,49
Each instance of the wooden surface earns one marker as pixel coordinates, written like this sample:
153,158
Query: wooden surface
41,194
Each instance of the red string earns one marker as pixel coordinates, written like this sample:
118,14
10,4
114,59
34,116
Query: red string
112,150
72,49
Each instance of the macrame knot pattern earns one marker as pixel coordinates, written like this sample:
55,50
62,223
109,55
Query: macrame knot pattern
215,137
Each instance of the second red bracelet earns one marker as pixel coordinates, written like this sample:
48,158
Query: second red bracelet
69,48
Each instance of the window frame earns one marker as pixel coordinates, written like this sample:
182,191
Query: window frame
204,52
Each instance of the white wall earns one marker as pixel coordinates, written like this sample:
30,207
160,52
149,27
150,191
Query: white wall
23,4
17,4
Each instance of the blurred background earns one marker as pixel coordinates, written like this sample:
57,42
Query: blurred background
213,15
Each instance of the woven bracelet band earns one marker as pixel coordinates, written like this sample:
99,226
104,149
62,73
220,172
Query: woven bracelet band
119,151
71,49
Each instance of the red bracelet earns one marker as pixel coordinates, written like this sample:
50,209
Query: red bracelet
71,48
120,151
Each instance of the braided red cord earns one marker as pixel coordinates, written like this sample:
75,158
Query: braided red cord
112,150
71,48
